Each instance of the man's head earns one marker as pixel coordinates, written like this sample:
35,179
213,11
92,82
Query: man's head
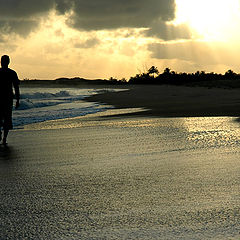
5,60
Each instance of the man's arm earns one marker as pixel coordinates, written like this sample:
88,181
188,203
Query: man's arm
17,94
16,83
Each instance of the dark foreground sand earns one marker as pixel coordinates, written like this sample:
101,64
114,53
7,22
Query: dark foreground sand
173,101
122,178
97,177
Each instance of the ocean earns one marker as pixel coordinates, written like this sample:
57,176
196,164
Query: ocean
43,104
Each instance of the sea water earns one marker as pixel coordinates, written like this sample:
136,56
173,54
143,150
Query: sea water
43,104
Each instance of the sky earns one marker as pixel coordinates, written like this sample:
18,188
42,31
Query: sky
93,39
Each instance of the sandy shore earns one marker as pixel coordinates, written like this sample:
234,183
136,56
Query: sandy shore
173,101
101,177
122,178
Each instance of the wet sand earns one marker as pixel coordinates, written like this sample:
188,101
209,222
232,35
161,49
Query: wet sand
128,173
97,177
174,101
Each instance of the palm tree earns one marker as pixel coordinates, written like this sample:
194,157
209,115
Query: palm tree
153,70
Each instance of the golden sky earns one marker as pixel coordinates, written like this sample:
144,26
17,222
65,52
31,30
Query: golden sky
110,38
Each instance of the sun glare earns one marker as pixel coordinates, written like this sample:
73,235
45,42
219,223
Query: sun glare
212,19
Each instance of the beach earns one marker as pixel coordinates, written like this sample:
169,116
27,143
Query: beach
157,166
175,101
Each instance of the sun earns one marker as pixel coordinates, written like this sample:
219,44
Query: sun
212,19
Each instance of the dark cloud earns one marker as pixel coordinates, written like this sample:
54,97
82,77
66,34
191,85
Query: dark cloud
23,8
164,31
95,15
63,6
111,14
21,16
21,27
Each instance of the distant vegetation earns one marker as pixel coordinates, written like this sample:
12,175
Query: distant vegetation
168,77
152,76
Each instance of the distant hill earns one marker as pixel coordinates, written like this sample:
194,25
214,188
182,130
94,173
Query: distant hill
77,80
70,82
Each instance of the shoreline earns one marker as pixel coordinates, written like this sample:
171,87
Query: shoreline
173,101
165,101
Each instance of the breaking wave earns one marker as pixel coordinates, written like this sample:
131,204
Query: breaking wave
38,105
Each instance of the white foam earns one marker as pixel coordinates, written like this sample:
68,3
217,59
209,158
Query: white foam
45,95
38,105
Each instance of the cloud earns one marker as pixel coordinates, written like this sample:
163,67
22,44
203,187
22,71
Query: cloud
23,16
166,31
111,14
89,43
22,9
63,6
92,14
21,27
59,33
194,51
209,55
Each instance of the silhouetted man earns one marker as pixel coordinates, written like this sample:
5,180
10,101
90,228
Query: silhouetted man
8,80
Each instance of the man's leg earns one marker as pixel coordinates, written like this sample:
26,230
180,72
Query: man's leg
5,134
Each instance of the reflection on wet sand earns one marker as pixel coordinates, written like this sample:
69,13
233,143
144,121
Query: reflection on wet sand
7,153
122,178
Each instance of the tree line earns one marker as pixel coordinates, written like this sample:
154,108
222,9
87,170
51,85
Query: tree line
152,76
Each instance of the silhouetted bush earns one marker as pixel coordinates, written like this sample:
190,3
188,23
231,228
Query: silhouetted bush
229,79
